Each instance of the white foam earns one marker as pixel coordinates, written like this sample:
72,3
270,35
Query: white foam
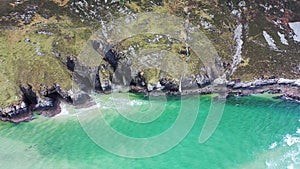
268,164
298,131
63,111
290,166
285,156
282,38
269,40
290,140
273,145
135,103
125,101
296,28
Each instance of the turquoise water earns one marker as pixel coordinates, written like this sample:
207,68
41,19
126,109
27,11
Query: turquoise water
254,132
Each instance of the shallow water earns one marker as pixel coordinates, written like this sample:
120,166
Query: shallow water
254,132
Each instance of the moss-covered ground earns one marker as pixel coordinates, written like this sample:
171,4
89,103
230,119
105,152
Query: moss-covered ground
36,54
35,51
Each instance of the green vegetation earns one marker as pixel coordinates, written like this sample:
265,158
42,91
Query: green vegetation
35,54
36,51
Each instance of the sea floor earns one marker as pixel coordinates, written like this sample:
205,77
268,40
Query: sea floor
254,132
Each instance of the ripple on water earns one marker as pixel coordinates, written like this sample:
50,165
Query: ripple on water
259,133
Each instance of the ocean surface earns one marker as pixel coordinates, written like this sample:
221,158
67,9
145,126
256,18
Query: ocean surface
254,132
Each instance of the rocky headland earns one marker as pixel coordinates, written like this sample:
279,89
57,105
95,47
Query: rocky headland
50,52
49,105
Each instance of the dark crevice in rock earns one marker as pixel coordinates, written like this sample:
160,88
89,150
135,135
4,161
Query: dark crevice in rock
29,97
56,92
112,58
48,107
70,63
169,85
138,83
48,104
16,113
97,80
202,81
139,80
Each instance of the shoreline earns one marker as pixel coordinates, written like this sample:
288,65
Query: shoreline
50,107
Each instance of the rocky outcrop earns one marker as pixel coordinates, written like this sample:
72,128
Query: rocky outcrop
169,85
237,84
29,97
138,83
292,93
49,104
104,81
46,102
55,91
288,88
48,107
202,84
16,113
22,111
71,63
202,80
112,58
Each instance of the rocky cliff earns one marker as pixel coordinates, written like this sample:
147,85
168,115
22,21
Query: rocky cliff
49,47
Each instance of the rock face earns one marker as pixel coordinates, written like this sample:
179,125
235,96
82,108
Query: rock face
202,80
138,83
44,104
105,78
71,63
21,112
47,106
16,113
169,85
288,88
112,58
29,97
263,82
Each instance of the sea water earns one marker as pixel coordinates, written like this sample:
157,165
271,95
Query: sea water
254,132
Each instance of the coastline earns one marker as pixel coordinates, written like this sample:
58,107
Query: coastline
285,89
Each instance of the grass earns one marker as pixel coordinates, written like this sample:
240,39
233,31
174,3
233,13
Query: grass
259,60
169,62
27,57
33,62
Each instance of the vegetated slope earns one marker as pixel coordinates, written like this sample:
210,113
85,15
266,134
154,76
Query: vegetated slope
40,39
